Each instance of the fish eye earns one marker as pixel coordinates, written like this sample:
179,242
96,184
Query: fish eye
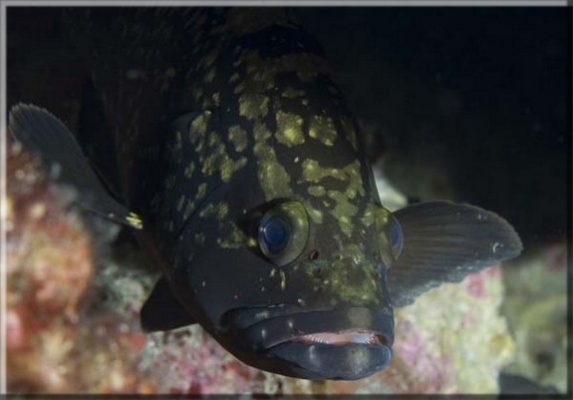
391,234
274,234
396,236
283,232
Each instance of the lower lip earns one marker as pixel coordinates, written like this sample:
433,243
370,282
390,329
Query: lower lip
342,361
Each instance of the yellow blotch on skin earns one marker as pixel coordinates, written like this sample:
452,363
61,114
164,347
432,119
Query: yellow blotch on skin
253,105
356,184
351,266
180,203
234,238
273,177
189,209
198,127
291,93
234,77
289,129
218,211
216,99
315,215
317,191
369,214
219,160
343,210
189,170
313,172
229,167
201,191
238,137
322,128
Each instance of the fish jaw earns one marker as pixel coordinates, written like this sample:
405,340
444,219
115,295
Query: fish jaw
346,344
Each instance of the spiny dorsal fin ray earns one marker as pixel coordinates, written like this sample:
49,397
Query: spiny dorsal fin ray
444,242
40,131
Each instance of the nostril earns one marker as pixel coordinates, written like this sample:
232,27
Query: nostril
314,254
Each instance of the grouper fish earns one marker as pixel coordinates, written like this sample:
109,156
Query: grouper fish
244,176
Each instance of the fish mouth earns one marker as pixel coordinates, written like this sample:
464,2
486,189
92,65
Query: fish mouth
346,344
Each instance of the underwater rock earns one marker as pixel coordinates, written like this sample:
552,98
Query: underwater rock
536,309
57,340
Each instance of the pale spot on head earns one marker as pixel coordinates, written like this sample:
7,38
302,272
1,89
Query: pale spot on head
322,129
238,137
234,77
253,105
289,129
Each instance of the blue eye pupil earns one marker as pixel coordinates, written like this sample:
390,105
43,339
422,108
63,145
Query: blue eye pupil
396,237
275,234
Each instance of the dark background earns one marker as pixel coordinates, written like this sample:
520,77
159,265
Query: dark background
481,95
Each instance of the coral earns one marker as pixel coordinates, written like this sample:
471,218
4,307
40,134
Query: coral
57,341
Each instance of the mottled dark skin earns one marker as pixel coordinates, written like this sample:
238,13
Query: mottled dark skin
238,69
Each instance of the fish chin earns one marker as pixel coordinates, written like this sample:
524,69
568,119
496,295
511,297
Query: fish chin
349,361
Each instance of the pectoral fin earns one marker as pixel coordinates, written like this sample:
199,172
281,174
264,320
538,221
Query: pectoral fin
40,131
444,242
162,311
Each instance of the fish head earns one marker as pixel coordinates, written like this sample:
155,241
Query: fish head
287,287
